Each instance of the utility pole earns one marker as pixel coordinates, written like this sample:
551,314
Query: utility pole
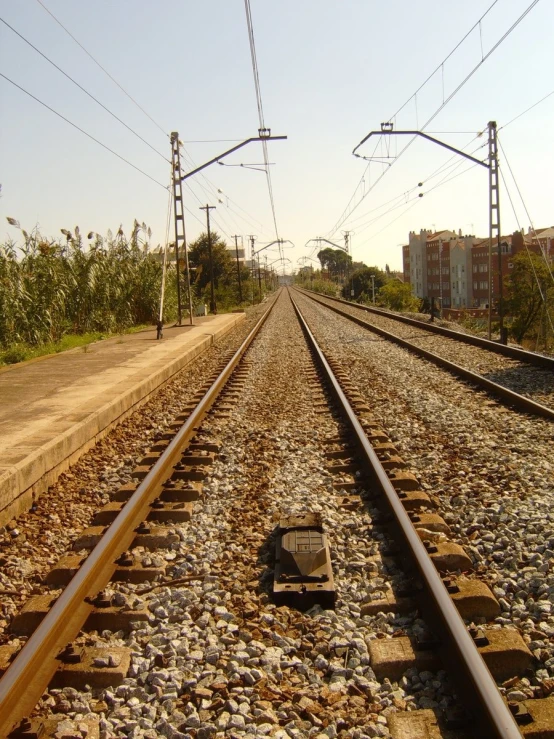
346,246
252,263
373,288
213,306
179,224
259,278
494,227
238,267
440,276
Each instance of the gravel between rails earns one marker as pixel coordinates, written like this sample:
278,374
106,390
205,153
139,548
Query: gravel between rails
533,382
491,468
34,542
218,658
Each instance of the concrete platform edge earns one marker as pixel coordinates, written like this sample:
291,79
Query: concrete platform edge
21,484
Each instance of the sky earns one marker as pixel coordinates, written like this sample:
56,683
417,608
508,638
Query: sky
330,72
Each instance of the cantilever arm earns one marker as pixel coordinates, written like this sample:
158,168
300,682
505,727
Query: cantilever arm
230,151
424,136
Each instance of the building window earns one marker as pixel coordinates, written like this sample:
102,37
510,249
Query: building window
475,285
475,268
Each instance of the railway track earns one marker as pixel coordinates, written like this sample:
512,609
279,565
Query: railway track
207,650
522,379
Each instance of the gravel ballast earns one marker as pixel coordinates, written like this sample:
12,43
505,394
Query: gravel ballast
30,545
491,468
535,383
218,658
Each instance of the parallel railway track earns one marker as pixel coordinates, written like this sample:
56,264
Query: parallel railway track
541,368
425,327
387,491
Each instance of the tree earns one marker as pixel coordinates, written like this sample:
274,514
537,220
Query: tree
336,261
199,259
362,283
529,294
398,296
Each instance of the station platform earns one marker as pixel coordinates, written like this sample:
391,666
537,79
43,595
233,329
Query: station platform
53,409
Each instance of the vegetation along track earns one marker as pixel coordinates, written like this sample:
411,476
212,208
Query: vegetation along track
494,366
209,652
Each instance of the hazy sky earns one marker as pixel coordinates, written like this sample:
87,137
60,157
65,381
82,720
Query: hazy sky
330,72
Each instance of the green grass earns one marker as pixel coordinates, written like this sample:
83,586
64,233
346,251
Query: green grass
23,352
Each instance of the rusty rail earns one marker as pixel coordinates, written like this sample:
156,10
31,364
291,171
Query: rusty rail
538,360
510,397
466,666
28,676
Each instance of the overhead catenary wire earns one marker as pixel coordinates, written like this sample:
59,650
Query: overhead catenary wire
441,169
445,102
90,136
123,90
213,191
90,95
260,109
446,179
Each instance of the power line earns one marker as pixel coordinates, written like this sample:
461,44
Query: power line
211,141
440,67
527,110
447,165
102,68
215,192
83,89
445,102
525,208
260,109
446,179
539,286
84,132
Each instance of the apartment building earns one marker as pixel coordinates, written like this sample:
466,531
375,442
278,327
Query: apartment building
454,268
436,264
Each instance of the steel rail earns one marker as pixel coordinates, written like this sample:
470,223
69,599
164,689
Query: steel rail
538,360
493,717
28,676
510,397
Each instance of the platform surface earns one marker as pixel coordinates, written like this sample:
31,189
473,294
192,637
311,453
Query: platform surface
53,408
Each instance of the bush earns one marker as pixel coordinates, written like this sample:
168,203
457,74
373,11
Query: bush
13,355
398,295
324,287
